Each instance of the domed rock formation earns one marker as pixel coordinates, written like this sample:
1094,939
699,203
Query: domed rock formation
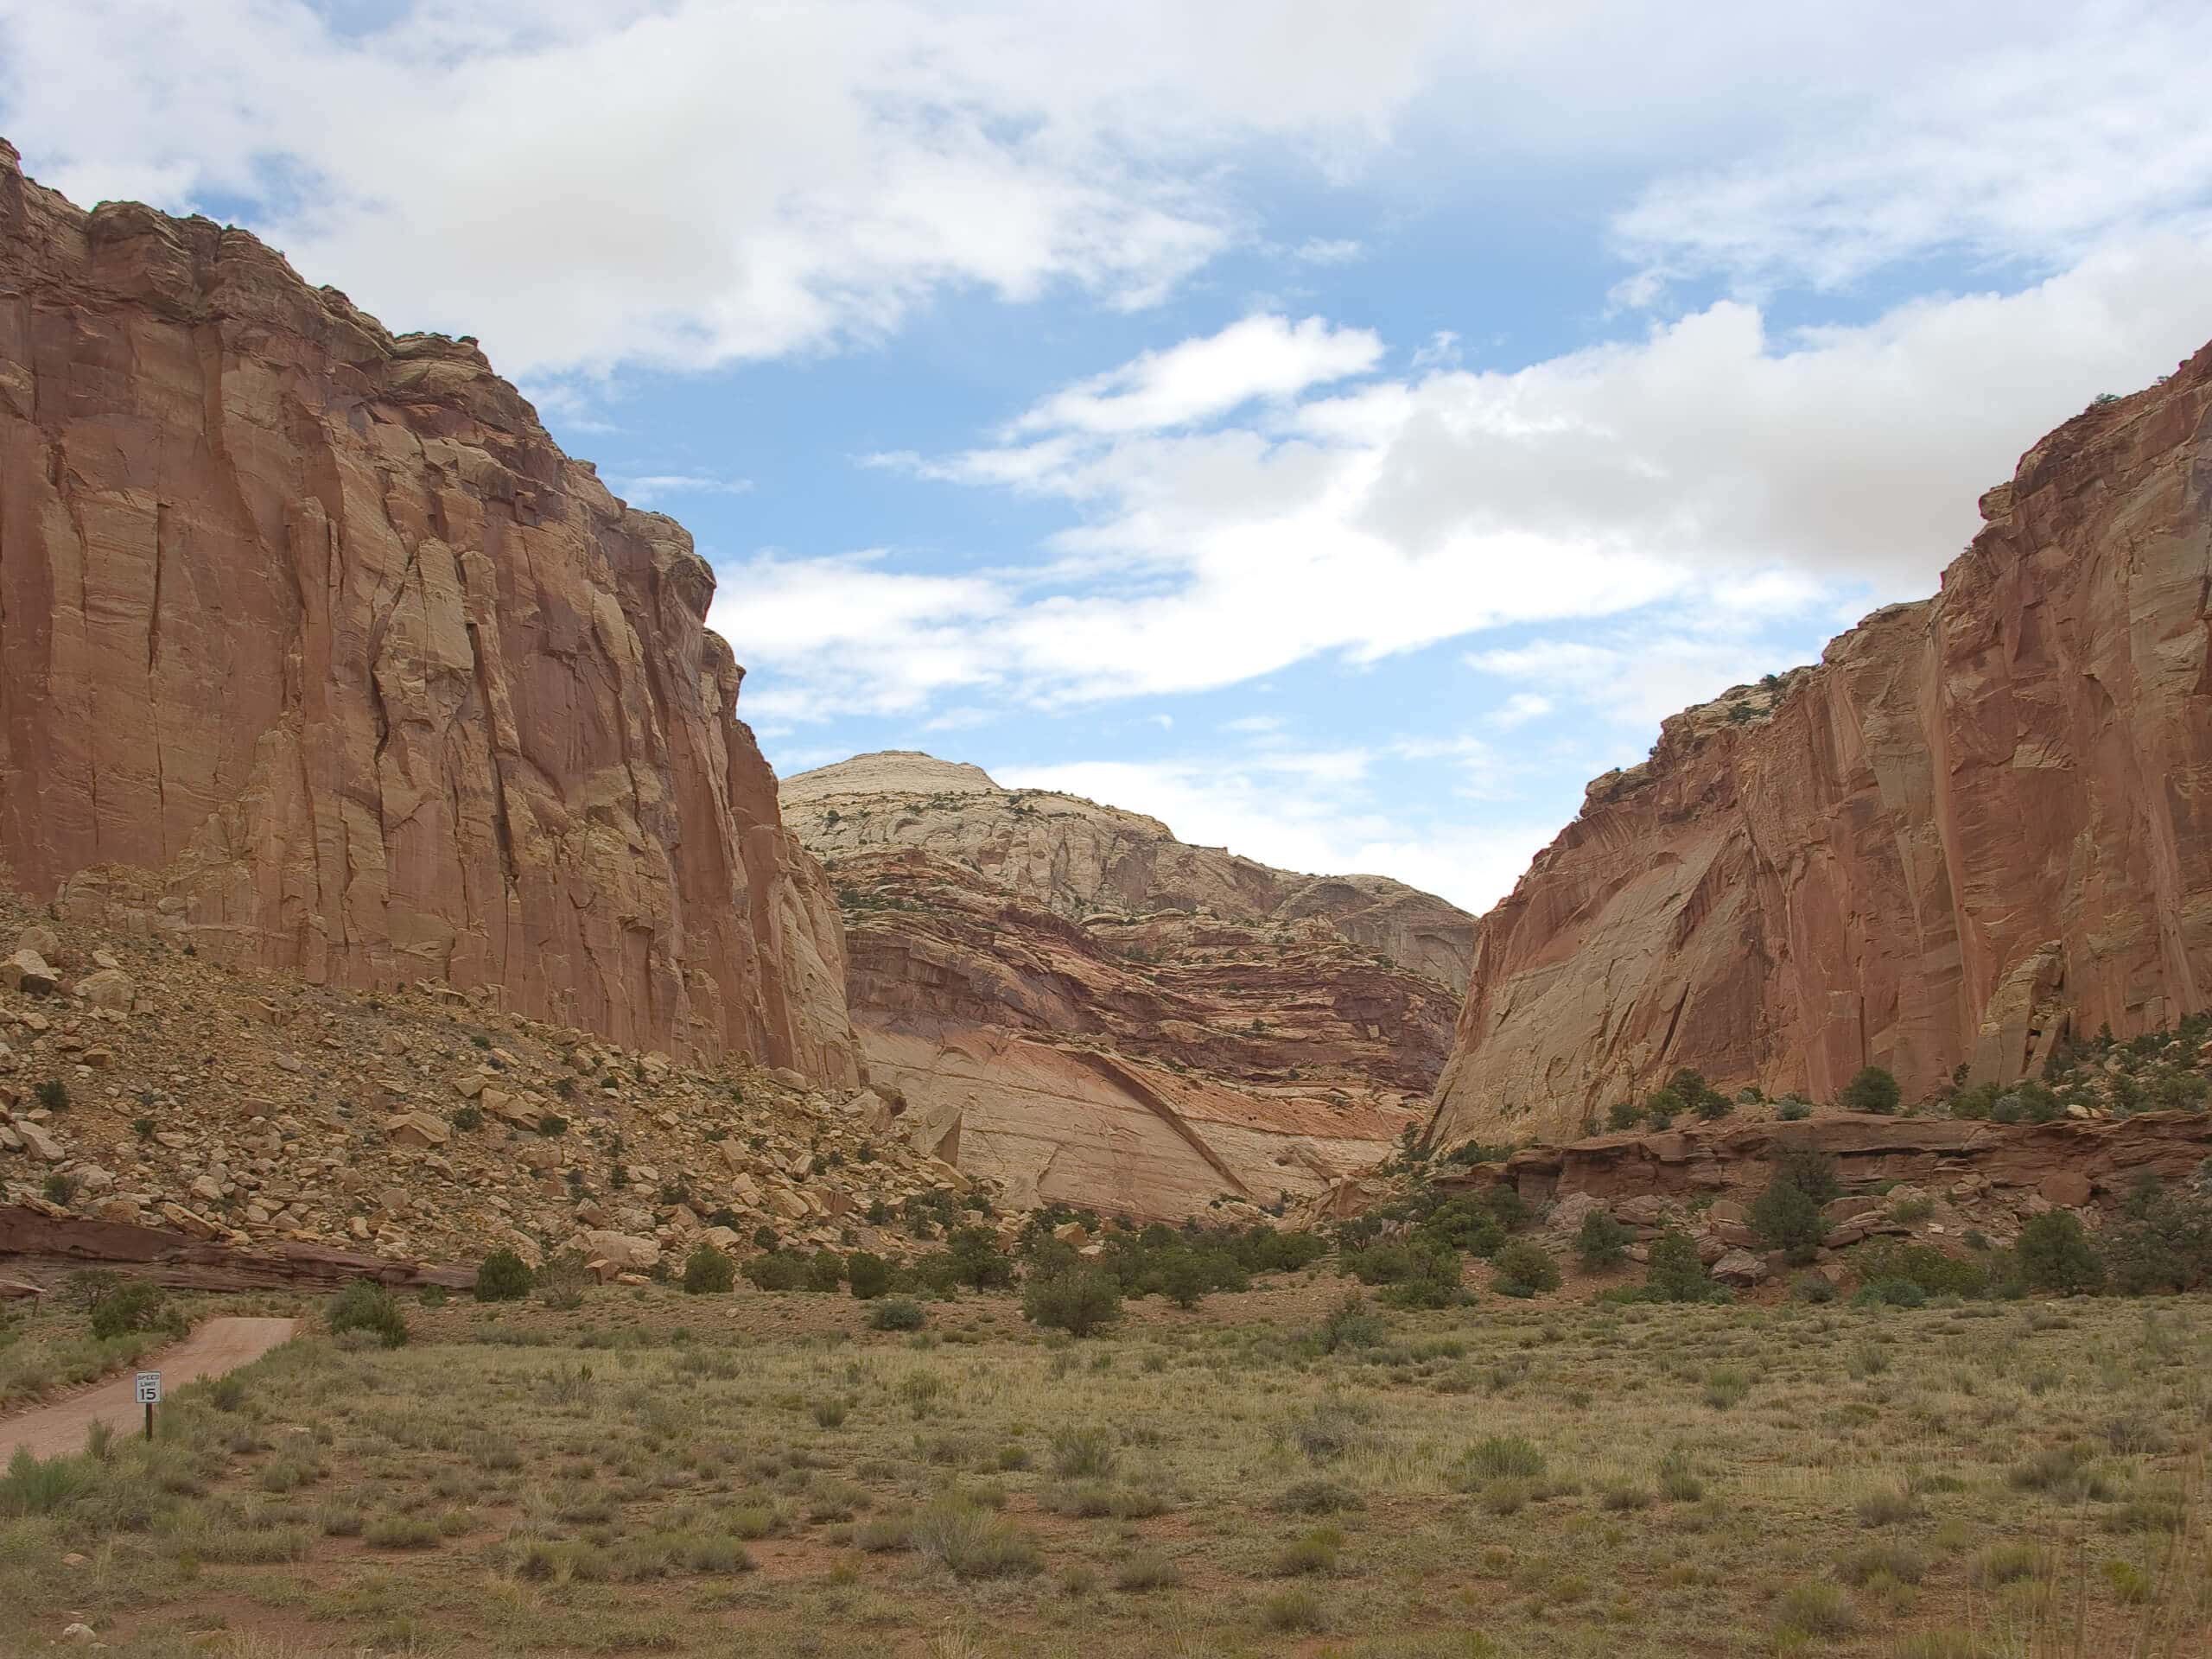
1110,1017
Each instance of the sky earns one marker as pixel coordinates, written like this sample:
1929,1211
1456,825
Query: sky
1340,430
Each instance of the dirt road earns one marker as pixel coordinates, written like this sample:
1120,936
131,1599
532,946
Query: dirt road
217,1347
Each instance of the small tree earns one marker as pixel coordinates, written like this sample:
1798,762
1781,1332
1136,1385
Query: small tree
1662,1107
1872,1090
1813,1173
708,1272
896,1313
1081,1302
1433,1279
1675,1273
868,1274
1786,1218
1621,1114
2055,1253
134,1305
366,1306
1525,1268
503,1276
1602,1242
977,1260
1183,1277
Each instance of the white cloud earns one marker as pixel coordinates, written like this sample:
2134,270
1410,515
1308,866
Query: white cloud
1707,463
1258,357
1315,815
1637,680
1520,708
695,182
2044,146
1334,251
651,489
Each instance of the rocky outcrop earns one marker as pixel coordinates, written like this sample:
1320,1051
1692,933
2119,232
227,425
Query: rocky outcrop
1077,858
1980,822
316,651
1031,1000
2066,1162
254,1113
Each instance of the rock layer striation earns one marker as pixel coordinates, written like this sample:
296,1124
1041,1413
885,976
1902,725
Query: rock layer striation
1065,998
315,649
1982,820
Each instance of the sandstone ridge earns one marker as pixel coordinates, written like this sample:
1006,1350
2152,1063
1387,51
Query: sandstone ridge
1977,825
1070,1001
315,651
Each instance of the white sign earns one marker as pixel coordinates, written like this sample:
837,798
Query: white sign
149,1387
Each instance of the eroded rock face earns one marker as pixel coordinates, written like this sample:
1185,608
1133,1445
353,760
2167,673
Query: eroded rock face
1031,998
1077,858
315,649
1979,819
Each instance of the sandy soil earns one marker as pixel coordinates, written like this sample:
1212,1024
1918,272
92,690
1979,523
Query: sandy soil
218,1346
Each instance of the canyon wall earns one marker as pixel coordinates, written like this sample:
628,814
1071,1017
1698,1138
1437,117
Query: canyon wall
1063,998
1982,820
317,652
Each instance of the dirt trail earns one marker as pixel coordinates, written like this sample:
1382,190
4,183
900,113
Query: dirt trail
215,1347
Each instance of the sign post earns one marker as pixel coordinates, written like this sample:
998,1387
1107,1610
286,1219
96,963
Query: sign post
150,1395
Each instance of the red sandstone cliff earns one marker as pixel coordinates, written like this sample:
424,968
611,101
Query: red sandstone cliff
315,648
1980,818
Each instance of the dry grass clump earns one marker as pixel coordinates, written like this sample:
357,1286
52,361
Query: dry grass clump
653,1473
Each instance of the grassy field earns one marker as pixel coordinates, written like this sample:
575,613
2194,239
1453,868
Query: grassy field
1268,1473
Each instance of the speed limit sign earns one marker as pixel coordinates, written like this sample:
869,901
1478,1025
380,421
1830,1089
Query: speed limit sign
149,1387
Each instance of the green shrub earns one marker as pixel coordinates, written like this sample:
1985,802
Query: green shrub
1502,1457
1788,1219
1081,1302
32,1487
977,1260
2162,1240
1183,1277
1674,1273
1923,1265
52,1094
1433,1279
868,1275
503,1276
1621,1114
776,1270
825,1272
2054,1254
1872,1090
366,1306
970,1541
708,1271
469,1118
132,1306
1462,1224
1790,1109
1813,1173
896,1313
1525,1268
1601,1241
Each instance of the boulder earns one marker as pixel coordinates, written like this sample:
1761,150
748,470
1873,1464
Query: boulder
1567,1215
28,972
2065,1189
110,987
624,1252
1740,1268
417,1130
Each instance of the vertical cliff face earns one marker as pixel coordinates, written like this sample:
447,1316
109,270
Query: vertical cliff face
1981,820
315,648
